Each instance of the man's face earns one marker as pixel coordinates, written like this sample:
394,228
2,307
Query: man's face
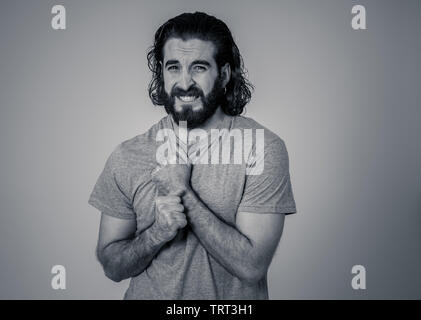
192,85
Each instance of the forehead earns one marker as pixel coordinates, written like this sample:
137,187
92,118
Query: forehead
189,50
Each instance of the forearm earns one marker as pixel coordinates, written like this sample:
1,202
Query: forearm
128,258
225,243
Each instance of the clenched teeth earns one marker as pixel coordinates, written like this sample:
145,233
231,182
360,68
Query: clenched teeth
187,98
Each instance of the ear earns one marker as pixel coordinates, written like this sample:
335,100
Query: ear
225,74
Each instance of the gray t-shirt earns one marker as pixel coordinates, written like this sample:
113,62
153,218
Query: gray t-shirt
183,269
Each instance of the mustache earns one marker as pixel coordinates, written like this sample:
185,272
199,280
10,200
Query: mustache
192,91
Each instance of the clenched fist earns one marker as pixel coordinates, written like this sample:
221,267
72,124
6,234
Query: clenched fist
169,217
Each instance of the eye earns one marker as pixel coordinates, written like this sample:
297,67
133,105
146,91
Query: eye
199,68
172,68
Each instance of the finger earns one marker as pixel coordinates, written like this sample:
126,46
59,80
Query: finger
180,221
176,193
162,199
178,215
171,209
177,208
171,199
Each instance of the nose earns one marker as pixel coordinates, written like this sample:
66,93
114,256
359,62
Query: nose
186,80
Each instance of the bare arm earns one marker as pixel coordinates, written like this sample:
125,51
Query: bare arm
123,254
245,249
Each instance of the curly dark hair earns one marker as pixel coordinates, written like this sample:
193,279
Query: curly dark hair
208,28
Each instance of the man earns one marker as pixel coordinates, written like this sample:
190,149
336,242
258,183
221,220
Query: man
184,229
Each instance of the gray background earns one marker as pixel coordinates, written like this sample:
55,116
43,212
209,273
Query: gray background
347,104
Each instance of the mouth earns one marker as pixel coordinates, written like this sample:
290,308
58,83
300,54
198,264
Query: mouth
188,98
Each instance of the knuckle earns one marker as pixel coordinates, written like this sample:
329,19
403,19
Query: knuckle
177,215
182,223
171,198
180,218
160,207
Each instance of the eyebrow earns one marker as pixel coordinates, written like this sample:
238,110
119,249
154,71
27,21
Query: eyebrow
204,62
170,62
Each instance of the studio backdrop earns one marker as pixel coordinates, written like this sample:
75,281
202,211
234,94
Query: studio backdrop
344,95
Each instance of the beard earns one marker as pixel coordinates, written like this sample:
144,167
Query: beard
194,118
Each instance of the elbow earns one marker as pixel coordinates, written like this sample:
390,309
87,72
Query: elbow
255,277
252,274
113,275
113,272
110,269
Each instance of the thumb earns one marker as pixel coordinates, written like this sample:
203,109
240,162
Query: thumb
177,193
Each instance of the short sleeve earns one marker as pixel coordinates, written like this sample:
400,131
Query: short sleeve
270,191
110,194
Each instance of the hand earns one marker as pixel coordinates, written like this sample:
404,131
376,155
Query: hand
169,217
172,179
